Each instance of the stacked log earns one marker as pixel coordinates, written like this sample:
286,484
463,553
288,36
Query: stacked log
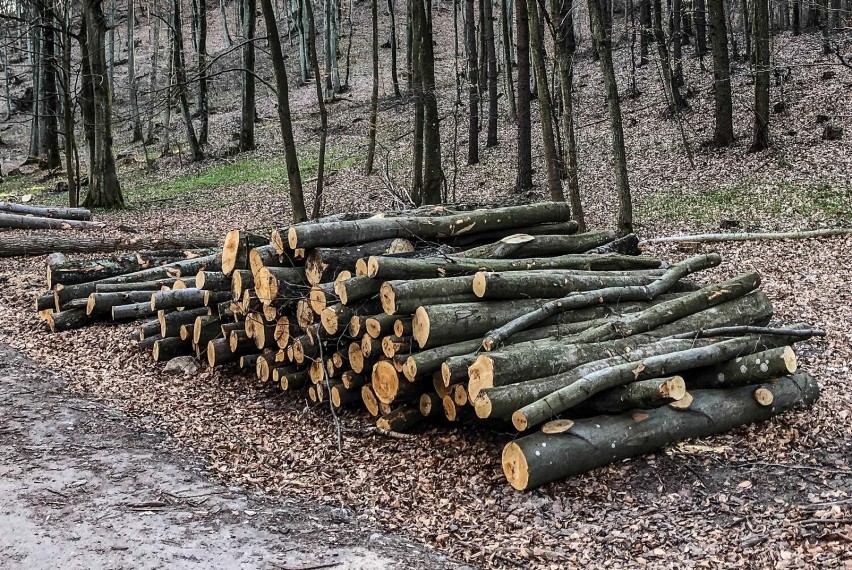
450,315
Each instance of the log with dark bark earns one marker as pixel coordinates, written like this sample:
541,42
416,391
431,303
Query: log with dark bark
266,256
235,251
380,325
401,419
67,320
177,269
19,245
644,394
356,289
324,263
407,268
81,214
287,283
741,371
155,285
558,228
168,348
101,304
540,458
17,221
212,281
552,284
625,245
477,221
525,245
170,322
607,295
219,352
72,272
403,296
186,298
638,369
133,311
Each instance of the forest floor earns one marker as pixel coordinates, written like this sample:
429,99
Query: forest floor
778,494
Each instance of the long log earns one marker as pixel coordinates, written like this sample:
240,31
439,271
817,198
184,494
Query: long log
450,266
551,284
76,271
133,311
607,295
102,303
155,285
81,214
537,459
323,263
750,236
21,245
638,369
177,269
477,221
525,245
186,298
17,221
558,228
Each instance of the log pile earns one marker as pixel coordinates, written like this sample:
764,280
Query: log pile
503,317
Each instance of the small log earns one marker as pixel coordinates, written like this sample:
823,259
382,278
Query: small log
404,297
321,296
438,385
750,236
400,420
370,400
525,245
429,405
336,318
273,283
388,387
356,357
264,365
392,345
155,285
205,328
219,352
182,298
342,397
72,272
323,263
291,381
168,348
537,459
212,281
459,395
148,343
305,316
454,370
402,326
132,311
380,325
264,256
170,322
356,326
644,394
186,332
551,284
241,280
352,380
744,370
149,329
356,289
67,320
284,330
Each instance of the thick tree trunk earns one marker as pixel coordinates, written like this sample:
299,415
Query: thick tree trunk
433,176
181,81
203,114
294,177
553,284
372,127
760,133
393,48
701,27
324,263
104,188
523,180
491,58
312,44
50,98
625,202
723,132
19,221
81,214
248,112
472,84
674,98
135,119
506,31
541,458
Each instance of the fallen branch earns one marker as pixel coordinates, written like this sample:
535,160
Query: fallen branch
758,236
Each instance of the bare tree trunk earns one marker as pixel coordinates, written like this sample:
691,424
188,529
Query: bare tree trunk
374,95
202,73
491,53
223,19
167,147
248,108
625,203
645,37
701,27
505,26
68,110
135,120
760,139
677,43
797,17
524,172
155,15
297,196
332,39
676,100
180,81
432,174
37,62
723,132
104,188
50,97
747,30
416,84
551,161
312,33
472,84
393,48
564,47
111,46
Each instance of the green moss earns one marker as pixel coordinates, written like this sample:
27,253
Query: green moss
749,202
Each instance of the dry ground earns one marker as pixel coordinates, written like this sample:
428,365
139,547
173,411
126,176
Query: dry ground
773,495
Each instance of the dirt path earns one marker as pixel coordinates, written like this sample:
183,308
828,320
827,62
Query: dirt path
80,489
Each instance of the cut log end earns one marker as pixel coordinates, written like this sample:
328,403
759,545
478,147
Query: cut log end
388,298
479,284
790,360
292,238
482,406
385,381
674,388
420,326
515,466
557,426
519,420
230,251
683,403
764,396
370,401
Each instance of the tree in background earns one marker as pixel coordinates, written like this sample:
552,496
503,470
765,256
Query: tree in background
523,180
723,132
760,133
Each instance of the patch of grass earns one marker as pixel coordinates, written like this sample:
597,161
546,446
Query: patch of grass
749,203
